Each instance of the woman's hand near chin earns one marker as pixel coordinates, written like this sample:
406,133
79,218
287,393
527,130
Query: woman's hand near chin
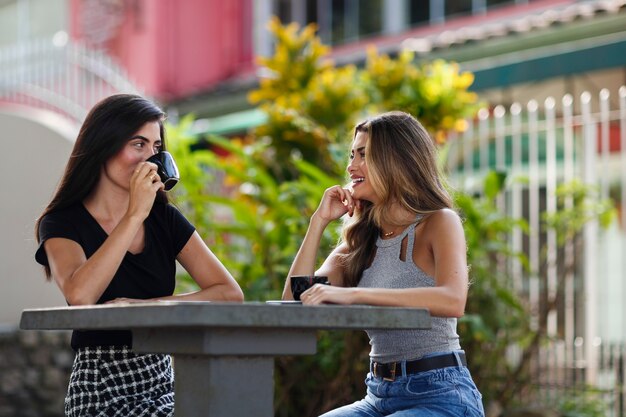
144,185
336,202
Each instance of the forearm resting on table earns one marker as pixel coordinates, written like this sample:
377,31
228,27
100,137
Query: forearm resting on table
217,292
440,301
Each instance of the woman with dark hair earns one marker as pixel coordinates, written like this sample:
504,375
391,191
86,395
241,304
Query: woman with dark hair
402,245
108,236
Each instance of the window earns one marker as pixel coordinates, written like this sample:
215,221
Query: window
283,10
370,17
419,12
342,21
458,7
491,3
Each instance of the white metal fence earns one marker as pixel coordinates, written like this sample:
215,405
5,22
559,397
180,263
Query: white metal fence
547,144
60,76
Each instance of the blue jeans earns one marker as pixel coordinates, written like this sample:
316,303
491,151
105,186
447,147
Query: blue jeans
445,392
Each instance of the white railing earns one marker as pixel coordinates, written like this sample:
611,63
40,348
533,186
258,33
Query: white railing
547,144
60,76
558,376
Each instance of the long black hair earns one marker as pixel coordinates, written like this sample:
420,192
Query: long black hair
106,129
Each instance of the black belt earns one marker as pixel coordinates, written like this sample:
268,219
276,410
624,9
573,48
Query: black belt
389,371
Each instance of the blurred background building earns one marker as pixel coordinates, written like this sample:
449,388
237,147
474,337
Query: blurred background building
199,56
59,57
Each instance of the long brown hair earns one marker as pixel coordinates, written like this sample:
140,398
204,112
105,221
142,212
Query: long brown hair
106,129
401,160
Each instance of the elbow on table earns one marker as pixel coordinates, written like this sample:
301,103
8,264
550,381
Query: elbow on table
76,294
78,298
455,308
448,313
234,294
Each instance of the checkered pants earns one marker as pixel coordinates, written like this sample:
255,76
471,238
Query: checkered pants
108,381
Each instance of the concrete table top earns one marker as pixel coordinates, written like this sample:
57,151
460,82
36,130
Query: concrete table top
183,314
224,352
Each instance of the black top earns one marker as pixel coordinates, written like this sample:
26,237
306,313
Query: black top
145,275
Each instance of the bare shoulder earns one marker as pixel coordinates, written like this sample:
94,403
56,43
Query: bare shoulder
61,246
334,258
443,219
443,226
333,265
443,230
341,249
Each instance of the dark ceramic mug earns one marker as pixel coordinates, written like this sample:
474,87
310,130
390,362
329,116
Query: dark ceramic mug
166,168
301,283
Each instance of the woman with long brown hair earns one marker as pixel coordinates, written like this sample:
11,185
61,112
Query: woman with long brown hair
402,245
109,235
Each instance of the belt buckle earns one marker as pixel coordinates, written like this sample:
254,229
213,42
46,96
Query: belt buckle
393,373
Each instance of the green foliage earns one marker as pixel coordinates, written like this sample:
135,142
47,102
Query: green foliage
312,105
306,386
289,134
495,316
309,102
578,204
296,60
192,195
588,403
253,223
436,93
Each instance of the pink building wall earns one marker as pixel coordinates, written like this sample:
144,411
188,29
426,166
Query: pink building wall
170,48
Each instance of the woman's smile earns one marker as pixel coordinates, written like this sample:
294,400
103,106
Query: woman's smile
356,181
357,168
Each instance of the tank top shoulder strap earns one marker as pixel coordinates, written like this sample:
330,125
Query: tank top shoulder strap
411,233
411,239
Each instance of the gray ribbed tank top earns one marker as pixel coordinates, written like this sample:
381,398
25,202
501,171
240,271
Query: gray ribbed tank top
389,271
